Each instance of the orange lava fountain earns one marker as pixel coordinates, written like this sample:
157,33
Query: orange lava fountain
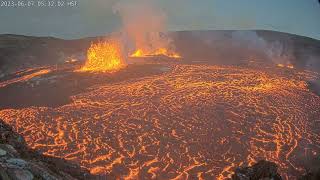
157,52
104,57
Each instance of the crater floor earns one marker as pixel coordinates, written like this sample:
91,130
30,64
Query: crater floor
190,121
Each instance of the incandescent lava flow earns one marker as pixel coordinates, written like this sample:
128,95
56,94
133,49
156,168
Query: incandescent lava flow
192,121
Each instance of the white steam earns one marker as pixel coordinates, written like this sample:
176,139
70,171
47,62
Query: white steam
276,51
143,25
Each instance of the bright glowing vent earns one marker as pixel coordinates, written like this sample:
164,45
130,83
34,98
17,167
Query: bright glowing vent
104,57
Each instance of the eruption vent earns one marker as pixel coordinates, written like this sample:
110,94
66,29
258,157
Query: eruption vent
104,57
143,26
157,52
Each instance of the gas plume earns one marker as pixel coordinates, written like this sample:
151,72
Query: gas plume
144,28
277,52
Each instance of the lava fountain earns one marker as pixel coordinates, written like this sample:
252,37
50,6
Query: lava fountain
104,56
157,52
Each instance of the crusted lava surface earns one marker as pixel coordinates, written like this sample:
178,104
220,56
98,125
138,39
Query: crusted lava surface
167,120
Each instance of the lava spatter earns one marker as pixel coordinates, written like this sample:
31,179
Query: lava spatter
104,56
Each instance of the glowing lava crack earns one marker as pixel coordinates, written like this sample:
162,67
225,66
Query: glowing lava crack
192,122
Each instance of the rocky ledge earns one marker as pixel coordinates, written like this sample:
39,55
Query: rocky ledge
18,162
265,170
261,170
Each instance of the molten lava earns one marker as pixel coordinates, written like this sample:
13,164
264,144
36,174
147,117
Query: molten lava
157,52
24,78
290,66
194,121
104,57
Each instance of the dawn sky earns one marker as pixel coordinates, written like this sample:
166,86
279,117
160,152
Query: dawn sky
95,17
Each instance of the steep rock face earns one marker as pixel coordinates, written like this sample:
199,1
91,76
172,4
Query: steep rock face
313,175
265,170
261,170
18,162
312,170
19,52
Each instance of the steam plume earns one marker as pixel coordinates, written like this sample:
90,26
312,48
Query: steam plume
277,52
143,25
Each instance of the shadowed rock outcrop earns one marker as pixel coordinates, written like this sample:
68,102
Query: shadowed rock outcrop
18,162
312,170
262,170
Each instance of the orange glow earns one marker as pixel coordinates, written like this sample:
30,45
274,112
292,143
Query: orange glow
290,66
280,65
157,52
104,57
26,77
193,121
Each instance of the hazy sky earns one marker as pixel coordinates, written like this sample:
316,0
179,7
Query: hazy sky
95,17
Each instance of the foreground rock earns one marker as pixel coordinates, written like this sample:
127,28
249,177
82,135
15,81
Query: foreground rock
312,170
18,162
312,175
263,170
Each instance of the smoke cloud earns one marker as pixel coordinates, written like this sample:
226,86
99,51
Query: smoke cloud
277,52
143,25
281,52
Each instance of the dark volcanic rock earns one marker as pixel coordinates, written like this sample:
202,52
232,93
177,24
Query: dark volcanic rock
17,161
314,86
261,46
262,170
312,169
311,176
20,52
